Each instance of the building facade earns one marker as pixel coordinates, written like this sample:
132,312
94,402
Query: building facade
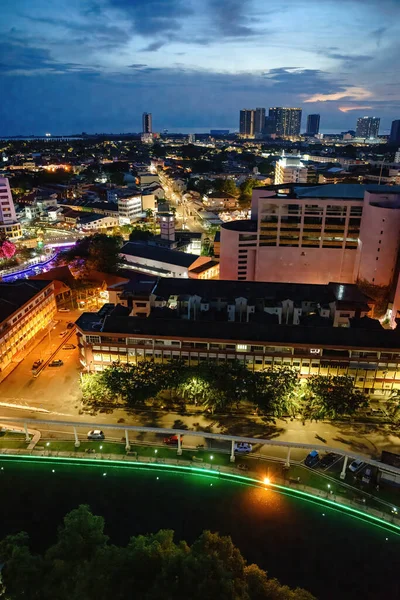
246,122
368,127
287,121
372,361
259,121
395,132
26,308
343,233
129,209
312,124
147,123
290,169
9,226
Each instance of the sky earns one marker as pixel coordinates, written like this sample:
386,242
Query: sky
68,66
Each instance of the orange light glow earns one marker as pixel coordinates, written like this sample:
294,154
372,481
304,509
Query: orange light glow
267,480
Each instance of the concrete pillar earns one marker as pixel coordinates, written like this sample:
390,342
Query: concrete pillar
179,451
232,457
343,473
77,442
287,463
27,437
127,444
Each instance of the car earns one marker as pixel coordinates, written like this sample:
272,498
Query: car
356,465
328,460
56,363
172,440
64,310
367,475
69,347
243,447
70,325
312,459
63,333
95,434
37,364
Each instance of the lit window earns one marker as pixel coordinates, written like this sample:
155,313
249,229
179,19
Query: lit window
241,347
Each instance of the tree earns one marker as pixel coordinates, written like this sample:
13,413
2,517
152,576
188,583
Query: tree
83,565
226,186
140,235
94,389
246,190
273,390
332,396
117,178
98,252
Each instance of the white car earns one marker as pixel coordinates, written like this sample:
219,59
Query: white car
95,434
356,465
64,310
243,447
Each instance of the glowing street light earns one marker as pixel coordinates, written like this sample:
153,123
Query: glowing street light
211,457
267,480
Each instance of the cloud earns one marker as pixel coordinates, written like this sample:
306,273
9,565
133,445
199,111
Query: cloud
351,93
349,59
152,17
231,18
154,46
346,109
137,66
378,35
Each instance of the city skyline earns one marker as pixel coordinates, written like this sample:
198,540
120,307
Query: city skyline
97,65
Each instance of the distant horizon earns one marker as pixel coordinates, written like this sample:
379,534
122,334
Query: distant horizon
170,130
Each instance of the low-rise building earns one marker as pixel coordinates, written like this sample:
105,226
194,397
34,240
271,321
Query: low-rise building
130,209
221,321
26,308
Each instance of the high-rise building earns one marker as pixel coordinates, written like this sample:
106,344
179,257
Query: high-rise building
147,125
9,226
316,235
290,169
395,132
367,127
246,125
312,124
259,120
287,121
269,126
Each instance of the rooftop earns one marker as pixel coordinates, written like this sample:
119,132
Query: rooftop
351,191
14,295
164,255
335,337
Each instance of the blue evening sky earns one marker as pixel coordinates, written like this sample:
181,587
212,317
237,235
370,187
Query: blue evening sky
96,65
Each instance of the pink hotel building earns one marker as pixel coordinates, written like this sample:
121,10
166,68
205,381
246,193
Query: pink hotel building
342,233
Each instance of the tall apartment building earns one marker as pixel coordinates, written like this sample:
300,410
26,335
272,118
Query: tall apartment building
287,121
397,156
246,122
259,121
367,127
26,308
9,227
147,125
395,132
290,169
129,209
312,124
343,233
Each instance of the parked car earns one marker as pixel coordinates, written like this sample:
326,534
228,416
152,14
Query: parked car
95,434
328,460
69,347
63,333
172,440
312,459
56,363
243,447
356,465
367,475
70,325
64,310
37,364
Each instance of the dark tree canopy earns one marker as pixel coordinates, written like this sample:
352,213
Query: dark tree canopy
99,252
84,565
